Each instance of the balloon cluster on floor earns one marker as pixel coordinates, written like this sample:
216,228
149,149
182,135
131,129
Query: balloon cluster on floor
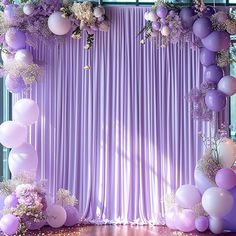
26,205
211,202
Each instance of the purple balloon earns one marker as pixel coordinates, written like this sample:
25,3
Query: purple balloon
207,57
14,84
202,223
156,25
227,85
226,178
11,201
187,17
202,182
162,11
9,224
36,225
217,41
15,39
72,217
185,220
213,74
230,219
209,11
215,100
9,12
202,27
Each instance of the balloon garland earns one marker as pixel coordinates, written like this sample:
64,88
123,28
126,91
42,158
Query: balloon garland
211,203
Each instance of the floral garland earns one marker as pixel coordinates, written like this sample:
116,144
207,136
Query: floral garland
23,24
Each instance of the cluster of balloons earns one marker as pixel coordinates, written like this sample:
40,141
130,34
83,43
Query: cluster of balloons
15,40
218,198
159,17
214,41
13,134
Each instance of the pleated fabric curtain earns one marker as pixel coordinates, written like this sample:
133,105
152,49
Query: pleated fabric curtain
119,136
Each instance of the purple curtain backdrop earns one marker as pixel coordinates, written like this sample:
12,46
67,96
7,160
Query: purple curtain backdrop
119,136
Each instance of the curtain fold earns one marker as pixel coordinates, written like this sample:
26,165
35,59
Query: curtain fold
119,136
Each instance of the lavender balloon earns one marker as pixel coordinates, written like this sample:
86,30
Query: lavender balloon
217,41
162,11
215,100
202,27
207,57
11,201
227,85
216,225
9,224
226,178
156,25
72,216
202,223
185,220
14,84
213,74
15,39
9,12
187,17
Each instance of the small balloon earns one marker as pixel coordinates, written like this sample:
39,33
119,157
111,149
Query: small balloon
9,224
207,57
11,201
28,9
213,74
185,220
14,84
56,216
58,24
202,223
215,100
156,25
99,11
227,85
72,216
12,134
216,225
152,16
165,31
226,178
162,11
24,56
15,38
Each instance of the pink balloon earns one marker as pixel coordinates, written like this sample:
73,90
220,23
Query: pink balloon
187,196
185,220
227,85
12,134
226,178
58,24
26,111
23,159
170,218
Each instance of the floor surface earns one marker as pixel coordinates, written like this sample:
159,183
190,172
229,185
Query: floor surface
116,230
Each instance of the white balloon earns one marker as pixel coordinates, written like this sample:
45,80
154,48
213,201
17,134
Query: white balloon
24,56
22,160
99,11
152,16
26,111
6,57
216,225
165,31
58,24
227,152
28,9
12,134
146,15
217,202
56,216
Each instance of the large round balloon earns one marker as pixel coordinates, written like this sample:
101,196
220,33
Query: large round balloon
217,41
187,17
185,220
58,24
12,134
226,178
56,216
26,111
202,182
23,159
227,85
187,196
14,84
213,74
72,216
15,39
215,100
216,225
202,27
207,57
9,224
24,56
227,152
217,202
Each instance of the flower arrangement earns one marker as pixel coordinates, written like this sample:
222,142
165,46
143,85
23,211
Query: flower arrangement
86,17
